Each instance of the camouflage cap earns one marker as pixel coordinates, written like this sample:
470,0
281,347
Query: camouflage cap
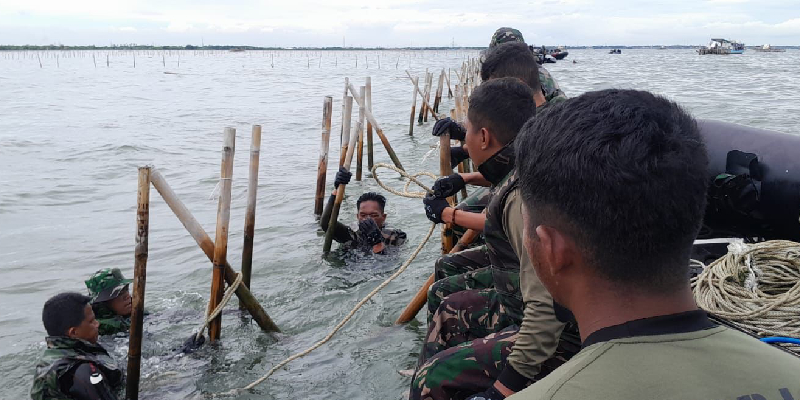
106,284
505,35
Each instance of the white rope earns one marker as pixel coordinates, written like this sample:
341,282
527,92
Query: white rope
210,316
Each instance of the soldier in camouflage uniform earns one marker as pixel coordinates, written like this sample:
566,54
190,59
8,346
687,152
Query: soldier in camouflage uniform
111,300
74,366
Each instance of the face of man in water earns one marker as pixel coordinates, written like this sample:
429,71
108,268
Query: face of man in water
371,209
121,305
88,330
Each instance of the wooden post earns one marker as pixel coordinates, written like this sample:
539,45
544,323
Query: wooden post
360,132
139,279
428,87
378,131
322,169
344,100
337,204
370,155
448,237
250,211
413,106
221,239
424,108
348,111
449,90
438,98
421,297
207,245
424,102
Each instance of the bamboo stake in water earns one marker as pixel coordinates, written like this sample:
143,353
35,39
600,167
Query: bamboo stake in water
413,105
322,169
424,102
346,117
337,204
428,88
360,132
438,98
139,280
378,131
207,245
221,239
250,211
342,141
425,105
370,155
449,90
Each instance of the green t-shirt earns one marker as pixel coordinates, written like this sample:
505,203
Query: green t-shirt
716,363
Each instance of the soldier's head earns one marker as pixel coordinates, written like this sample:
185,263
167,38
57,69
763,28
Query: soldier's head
109,288
506,35
614,189
70,314
497,110
372,205
514,60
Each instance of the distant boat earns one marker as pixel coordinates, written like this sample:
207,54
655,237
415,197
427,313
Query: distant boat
769,49
662,48
615,51
560,53
722,46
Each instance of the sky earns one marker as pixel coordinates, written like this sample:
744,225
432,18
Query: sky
396,23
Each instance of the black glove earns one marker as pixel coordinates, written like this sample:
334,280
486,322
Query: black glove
370,232
489,394
447,125
342,177
434,206
448,186
192,343
457,155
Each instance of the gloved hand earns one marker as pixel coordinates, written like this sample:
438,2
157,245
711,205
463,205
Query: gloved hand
447,125
489,394
434,206
457,155
370,231
192,343
342,177
448,186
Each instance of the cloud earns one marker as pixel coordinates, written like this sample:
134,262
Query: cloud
127,29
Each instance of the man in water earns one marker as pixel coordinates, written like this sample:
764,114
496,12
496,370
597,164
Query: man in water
74,366
111,300
614,188
372,234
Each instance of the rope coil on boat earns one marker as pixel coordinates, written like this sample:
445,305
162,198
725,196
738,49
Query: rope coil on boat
404,193
756,287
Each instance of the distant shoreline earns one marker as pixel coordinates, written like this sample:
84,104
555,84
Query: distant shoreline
244,48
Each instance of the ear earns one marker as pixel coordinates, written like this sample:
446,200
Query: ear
556,250
486,137
71,332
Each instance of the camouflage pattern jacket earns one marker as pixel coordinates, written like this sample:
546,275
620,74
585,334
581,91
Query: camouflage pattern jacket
552,92
110,323
63,354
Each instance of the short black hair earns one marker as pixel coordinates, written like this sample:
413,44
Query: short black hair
502,105
371,196
64,311
511,60
624,173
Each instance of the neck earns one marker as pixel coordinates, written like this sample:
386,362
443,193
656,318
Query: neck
605,307
499,164
539,98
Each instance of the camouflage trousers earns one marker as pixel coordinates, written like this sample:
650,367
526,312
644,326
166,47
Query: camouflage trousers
473,367
465,270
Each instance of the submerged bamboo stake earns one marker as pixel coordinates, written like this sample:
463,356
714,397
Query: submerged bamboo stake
360,132
424,102
337,204
207,245
449,90
250,211
221,239
370,155
421,297
322,169
425,105
413,105
139,280
438,98
378,131
348,111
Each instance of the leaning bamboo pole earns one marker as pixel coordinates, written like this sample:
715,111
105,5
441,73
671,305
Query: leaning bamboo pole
221,239
139,280
428,88
424,102
250,211
378,130
344,98
370,154
413,106
346,117
360,132
337,204
438,98
207,245
322,168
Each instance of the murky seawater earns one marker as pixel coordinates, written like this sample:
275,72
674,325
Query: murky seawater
72,135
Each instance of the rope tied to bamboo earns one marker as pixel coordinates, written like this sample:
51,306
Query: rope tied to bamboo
213,314
405,193
756,287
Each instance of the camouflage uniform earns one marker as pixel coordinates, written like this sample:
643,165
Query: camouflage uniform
63,354
552,92
106,284
353,239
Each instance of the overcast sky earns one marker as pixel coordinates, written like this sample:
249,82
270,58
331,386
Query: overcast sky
396,23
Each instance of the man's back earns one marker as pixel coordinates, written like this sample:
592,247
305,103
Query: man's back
716,363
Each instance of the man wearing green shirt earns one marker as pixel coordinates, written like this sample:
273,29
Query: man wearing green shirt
613,186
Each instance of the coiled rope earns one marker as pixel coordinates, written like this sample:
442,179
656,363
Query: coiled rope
210,316
404,193
756,287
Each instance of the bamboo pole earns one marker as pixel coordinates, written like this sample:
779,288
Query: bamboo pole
250,211
344,98
448,237
421,297
428,88
424,102
413,106
449,90
221,239
207,245
337,204
370,154
322,169
360,132
348,111
139,280
438,98
379,132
